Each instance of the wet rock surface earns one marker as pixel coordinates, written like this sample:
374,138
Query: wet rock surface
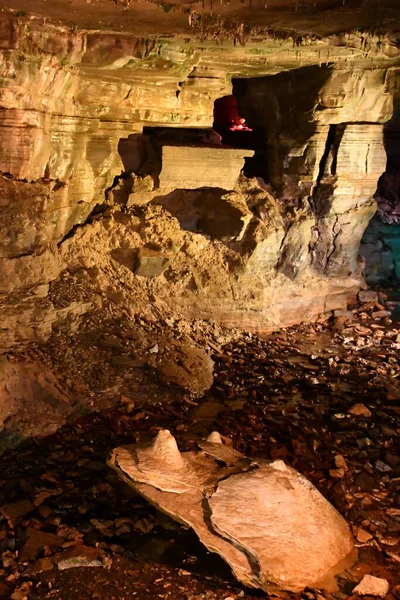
70,529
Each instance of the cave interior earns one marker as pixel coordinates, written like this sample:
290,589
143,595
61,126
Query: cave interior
200,211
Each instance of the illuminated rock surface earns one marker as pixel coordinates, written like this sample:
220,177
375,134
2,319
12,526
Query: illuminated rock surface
267,521
122,209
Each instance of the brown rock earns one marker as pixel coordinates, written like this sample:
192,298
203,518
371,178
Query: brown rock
185,365
367,296
363,536
22,591
381,314
372,586
36,541
256,513
340,462
41,565
151,263
16,510
191,167
79,556
360,410
32,401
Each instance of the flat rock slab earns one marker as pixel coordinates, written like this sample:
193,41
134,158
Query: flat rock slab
281,519
191,167
266,520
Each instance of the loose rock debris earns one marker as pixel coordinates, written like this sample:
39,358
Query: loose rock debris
372,586
285,397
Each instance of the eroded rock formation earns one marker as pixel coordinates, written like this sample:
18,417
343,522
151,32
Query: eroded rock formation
113,223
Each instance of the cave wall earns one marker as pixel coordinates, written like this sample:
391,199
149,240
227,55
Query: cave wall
128,253
261,255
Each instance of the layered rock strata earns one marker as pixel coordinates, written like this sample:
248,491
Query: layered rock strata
380,245
103,218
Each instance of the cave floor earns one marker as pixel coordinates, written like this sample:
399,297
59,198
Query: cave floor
70,530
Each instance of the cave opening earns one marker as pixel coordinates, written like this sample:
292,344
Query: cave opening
231,124
267,115
380,246
277,111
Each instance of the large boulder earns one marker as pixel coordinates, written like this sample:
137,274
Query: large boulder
267,521
33,402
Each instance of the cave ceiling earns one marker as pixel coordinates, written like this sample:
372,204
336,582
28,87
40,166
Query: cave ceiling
306,17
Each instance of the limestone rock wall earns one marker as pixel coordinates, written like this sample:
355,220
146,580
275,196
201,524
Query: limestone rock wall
324,155
380,246
97,229
68,98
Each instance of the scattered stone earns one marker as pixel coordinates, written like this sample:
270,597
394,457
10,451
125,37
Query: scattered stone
383,467
8,559
22,592
346,315
338,473
392,459
360,410
79,556
41,565
372,586
144,525
394,554
36,541
381,314
187,366
16,510
341,467
367,296
366,482
106,528
264,408
42,496
150,263
363,536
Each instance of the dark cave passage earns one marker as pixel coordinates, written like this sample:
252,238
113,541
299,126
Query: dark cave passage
278,109
380,245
